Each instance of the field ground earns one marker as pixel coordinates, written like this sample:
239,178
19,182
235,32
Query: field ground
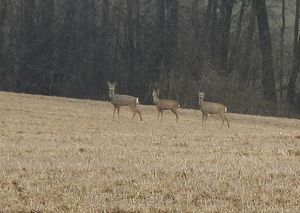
67,155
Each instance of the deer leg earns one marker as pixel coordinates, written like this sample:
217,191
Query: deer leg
161,114
226,120
136,110
158,112
222,117
175,112
203,115
140,114
114,111
118,108
133,110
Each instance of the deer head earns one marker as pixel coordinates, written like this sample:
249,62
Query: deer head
201,97
111,89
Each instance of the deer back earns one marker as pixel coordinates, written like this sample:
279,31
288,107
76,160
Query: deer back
124,100
167,104
212,108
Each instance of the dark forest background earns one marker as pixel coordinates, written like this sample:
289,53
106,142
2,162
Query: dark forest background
244,53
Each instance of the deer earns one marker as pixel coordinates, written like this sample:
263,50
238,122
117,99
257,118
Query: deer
119,100
211,108
164,104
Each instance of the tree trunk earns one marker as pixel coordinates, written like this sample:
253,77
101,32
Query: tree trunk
195,18
103,73
167,44
68,53
171,29
160,23
205,29
25,73
296,63
226,11
47,46
246,57
3,7
280,75
131,56
171,45
213,39
233,59
268,82
138,32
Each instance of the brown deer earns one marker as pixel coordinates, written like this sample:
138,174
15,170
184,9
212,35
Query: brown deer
211,108
118,100
165,104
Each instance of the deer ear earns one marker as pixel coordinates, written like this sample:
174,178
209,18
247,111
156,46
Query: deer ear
108,83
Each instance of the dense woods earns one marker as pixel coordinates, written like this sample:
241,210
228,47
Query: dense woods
243,53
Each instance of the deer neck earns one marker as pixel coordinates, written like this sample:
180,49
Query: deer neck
111,95
201,102
155,99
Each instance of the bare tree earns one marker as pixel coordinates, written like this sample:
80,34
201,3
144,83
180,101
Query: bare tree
205,25
226,11
102,52
130,46
72,47
26,72
246,56
268,82
212,34
167,22
45,43
296,55
195,18
233,59
3,10
282,31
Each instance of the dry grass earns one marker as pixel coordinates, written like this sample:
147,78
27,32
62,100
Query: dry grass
65,155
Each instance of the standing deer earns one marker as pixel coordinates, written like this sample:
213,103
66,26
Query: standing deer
118,100
164,104
212,108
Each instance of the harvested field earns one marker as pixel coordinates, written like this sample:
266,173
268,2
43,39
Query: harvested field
67,155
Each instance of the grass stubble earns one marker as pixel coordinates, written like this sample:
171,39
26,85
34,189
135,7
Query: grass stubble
67,155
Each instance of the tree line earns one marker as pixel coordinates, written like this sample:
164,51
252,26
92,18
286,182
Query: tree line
239,52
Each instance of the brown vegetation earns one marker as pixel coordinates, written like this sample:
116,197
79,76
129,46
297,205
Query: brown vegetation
66,155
